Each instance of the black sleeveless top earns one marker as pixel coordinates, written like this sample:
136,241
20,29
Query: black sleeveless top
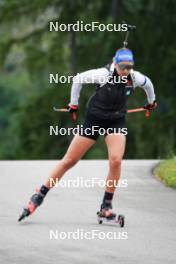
110,100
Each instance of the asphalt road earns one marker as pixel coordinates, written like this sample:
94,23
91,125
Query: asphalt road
51,234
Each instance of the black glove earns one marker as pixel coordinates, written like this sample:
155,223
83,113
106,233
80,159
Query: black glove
73,110
151,106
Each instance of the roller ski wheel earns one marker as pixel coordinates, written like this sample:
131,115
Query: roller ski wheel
100,221
35,201
121,220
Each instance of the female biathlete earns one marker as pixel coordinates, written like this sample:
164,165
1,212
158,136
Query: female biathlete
106,109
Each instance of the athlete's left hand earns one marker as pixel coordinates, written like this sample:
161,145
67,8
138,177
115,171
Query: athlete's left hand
73,110
151,106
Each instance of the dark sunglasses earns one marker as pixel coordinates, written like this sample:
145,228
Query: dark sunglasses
125,66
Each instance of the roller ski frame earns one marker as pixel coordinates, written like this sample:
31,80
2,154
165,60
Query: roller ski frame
120,219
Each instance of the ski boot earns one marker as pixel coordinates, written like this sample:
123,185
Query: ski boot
106,214
35,201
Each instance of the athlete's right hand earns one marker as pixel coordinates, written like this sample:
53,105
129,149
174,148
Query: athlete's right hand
73,110
151,106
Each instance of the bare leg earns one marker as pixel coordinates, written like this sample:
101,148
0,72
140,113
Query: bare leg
116,148
76,150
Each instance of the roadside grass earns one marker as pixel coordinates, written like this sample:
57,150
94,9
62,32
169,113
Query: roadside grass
166,171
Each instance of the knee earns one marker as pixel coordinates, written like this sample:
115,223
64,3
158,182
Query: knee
68,162
115,161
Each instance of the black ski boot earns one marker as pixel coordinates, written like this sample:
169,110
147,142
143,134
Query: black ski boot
35,201
106,212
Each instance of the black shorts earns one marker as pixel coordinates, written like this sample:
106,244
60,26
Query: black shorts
93,128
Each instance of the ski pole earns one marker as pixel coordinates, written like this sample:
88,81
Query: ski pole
73,115
60,109
129,28
147,112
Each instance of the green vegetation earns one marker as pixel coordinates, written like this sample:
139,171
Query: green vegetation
166,171
29,53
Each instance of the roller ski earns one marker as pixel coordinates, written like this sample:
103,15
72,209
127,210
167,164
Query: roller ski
35,201
106,215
